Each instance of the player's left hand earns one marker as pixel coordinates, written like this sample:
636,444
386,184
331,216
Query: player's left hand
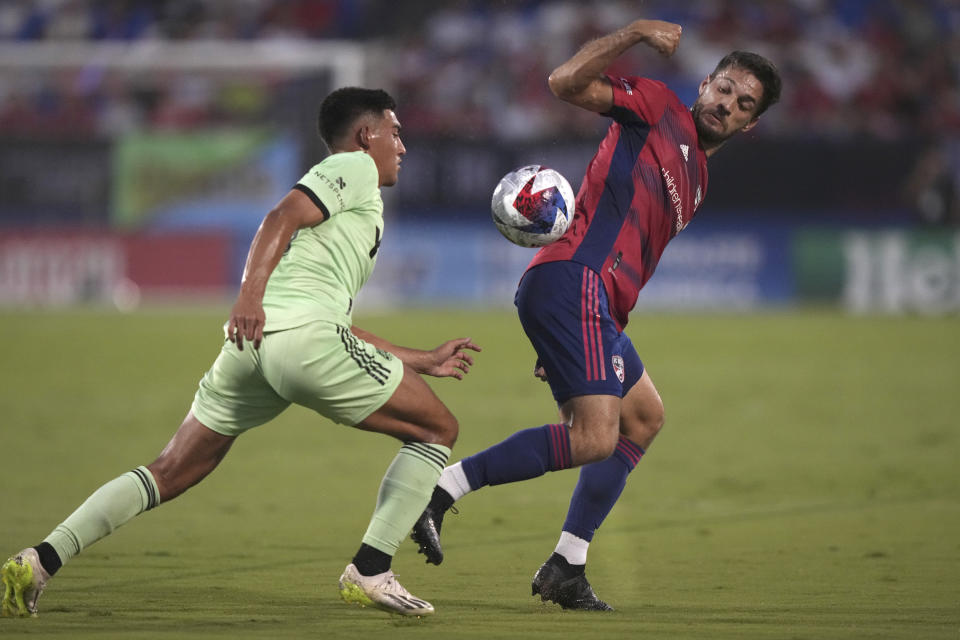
450,360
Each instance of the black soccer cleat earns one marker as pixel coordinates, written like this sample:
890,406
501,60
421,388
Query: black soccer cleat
426,533
426,530
568,588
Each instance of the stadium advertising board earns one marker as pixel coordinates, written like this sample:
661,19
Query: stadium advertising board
212,179
701,269
711,268
46,269
894,271
453,264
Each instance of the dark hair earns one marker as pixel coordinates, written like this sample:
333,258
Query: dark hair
341,108
764,70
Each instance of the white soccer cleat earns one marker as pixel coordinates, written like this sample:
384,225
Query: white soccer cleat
24,579
381,590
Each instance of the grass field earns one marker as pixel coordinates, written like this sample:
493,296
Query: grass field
807,485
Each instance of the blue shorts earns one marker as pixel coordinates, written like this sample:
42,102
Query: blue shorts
564,312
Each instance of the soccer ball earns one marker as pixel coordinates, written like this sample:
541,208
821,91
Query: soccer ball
532,206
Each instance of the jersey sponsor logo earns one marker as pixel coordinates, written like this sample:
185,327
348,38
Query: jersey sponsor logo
626,86
617,362
674,196
335,186
340,183
685,150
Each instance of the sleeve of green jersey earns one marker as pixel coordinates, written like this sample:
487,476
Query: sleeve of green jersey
340,182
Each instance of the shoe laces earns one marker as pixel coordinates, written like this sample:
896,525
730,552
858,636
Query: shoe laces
391,584
388,579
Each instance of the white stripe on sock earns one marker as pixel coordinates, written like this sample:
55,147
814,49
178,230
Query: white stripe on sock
573,548
454,481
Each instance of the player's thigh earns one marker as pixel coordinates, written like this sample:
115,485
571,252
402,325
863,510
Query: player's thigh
234,396
414,413
641,413
564,312
325,367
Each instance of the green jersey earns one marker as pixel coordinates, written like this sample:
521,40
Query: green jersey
324,267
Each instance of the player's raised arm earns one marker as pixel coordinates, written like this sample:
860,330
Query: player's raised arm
295,211
581,80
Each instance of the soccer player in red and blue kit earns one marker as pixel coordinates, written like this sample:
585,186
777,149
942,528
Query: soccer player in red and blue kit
642,188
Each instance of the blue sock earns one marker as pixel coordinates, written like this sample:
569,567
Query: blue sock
598,488
526,454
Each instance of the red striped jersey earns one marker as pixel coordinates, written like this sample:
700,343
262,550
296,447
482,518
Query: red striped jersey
641,188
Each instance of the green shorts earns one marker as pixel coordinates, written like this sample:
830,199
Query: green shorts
320,365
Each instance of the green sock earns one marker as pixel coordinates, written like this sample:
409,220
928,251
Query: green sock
404,494
110,506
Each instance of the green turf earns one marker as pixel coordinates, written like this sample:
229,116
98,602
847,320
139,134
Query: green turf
805,486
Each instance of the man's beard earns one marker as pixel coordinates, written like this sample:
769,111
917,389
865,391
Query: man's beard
708,137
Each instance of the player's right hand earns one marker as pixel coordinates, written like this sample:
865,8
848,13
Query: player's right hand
662,36
246,322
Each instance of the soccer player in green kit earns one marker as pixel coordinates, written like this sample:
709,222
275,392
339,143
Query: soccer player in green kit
291,340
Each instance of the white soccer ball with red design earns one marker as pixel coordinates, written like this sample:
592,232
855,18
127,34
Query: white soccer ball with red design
532,206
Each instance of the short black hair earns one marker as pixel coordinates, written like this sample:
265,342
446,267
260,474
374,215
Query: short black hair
341,108
764,71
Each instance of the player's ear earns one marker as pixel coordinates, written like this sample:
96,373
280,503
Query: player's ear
363,137
703,85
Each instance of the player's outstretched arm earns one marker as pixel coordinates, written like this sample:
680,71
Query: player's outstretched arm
295,211
449,360
581,80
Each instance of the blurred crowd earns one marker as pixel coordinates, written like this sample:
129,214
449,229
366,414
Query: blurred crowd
884,68
477,69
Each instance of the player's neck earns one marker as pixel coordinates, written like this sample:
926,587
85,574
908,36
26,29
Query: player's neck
710,149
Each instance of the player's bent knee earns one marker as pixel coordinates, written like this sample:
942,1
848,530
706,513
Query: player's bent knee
642,430
654,425
593,448
446,430
606,449
436,425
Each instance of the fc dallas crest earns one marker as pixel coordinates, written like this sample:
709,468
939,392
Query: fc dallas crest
618,367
